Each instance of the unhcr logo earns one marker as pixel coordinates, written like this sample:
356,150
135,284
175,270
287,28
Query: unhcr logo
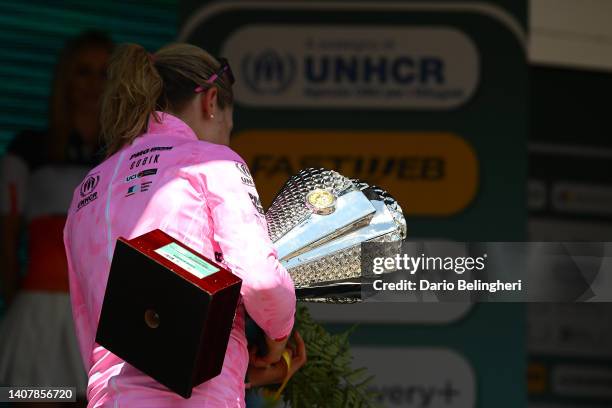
89,185
268,72
375,67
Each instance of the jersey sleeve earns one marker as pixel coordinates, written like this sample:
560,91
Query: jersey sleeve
77,299
241,231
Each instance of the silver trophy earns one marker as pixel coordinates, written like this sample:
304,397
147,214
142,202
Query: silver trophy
317,223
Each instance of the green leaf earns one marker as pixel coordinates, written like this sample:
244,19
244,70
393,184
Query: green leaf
327,380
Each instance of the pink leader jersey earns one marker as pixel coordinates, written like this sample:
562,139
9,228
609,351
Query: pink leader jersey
201,194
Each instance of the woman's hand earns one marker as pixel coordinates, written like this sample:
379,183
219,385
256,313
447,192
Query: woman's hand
273,356
277,372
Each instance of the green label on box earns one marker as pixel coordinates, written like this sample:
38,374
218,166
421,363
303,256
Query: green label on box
187,260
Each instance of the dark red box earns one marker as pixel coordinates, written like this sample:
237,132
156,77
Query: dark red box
168,311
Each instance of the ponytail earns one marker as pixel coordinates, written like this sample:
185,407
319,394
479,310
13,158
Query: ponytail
132,91
137,87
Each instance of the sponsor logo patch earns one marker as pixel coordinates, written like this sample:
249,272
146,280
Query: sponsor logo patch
136,188
140,174
245,174
89,185
87,190
257,204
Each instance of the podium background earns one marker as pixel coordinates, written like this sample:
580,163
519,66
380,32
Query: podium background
466,356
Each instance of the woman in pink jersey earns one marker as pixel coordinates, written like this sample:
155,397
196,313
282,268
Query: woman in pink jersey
166,119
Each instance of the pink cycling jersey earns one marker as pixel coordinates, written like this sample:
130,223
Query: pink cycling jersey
201,194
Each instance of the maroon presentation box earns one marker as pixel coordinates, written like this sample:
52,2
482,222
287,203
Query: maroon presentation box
168,310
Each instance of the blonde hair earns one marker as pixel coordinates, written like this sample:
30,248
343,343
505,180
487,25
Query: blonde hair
61,112
139,84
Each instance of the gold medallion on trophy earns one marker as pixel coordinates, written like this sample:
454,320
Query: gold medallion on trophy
321,202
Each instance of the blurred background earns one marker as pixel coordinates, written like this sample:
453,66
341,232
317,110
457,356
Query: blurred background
487,120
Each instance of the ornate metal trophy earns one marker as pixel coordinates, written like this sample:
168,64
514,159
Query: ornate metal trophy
317,223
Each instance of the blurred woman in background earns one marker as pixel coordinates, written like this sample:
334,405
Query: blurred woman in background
37,177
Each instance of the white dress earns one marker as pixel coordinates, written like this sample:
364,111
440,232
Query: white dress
38,346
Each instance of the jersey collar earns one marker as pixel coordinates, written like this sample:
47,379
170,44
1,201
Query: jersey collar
170,125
